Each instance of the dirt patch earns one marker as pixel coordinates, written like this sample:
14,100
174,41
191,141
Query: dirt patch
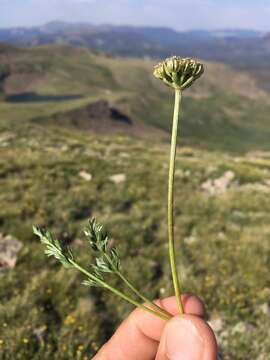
101,117
19,73
22,83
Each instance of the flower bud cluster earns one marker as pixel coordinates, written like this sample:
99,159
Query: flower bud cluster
178,73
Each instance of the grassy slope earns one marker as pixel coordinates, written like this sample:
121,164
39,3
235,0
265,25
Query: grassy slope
225,110
222,242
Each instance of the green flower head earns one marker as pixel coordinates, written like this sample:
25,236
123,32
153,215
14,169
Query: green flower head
178,73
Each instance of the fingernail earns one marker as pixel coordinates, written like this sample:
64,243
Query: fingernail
183,341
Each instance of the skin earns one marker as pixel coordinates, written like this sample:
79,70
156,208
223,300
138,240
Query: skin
142,336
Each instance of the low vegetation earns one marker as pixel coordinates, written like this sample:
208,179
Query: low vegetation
222,242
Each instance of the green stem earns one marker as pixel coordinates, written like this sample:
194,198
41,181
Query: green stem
144,298
140,295
119,293
176,284
136,291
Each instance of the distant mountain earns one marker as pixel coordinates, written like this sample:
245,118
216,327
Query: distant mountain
231,33
62,26
232,46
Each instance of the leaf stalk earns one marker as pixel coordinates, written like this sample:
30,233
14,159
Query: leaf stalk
122,295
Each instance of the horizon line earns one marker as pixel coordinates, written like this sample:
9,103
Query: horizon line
133,26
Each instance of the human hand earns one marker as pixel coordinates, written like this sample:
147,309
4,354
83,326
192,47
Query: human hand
143,336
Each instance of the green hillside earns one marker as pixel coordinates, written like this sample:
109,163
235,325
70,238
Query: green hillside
225,111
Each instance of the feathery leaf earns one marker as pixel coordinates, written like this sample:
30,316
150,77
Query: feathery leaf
54,247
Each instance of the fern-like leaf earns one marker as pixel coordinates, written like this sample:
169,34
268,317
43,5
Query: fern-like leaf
96,236
54,247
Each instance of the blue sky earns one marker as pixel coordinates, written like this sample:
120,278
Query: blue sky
179,14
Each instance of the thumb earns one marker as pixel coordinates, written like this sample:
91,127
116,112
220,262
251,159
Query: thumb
187,337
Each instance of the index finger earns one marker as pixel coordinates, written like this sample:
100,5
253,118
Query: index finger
138,336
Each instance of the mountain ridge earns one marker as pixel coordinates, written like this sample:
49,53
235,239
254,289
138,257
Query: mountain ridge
238,47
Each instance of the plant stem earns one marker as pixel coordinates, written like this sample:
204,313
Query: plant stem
140,295
119,293
136,291
176,284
